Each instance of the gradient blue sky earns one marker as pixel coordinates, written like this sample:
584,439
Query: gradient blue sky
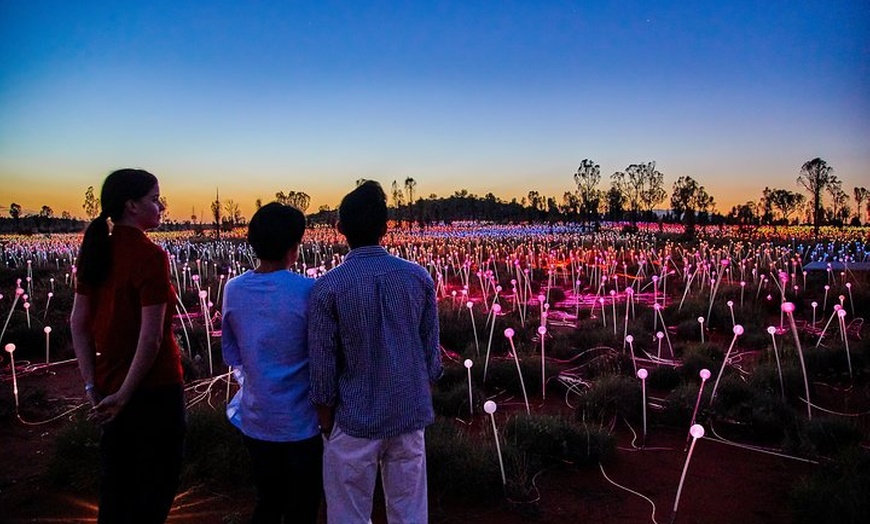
500,96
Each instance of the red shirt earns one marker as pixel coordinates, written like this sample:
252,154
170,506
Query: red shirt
139,276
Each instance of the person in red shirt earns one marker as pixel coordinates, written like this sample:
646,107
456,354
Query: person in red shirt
127,355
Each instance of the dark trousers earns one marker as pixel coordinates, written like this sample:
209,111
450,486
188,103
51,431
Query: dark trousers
140,458
288,479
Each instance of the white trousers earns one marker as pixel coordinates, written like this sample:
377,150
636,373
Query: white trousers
350,468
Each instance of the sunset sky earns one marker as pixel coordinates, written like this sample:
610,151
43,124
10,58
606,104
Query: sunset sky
490,96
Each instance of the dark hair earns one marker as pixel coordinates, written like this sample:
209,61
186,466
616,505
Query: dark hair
363,214
118,188
274,229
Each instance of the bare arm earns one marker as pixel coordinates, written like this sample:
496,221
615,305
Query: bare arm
83,343
150,337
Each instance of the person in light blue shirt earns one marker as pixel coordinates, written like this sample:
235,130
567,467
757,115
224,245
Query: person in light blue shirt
264,334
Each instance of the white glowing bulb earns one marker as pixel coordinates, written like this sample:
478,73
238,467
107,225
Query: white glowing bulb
705,374
771,330
738,329
642,374
47,329
468,363
490,407
841,313
660,335
700,320
697,431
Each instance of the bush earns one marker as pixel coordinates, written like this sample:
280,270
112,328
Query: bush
215,453
550,440
609,397
76,459
461,466
452,401
836,493
828,436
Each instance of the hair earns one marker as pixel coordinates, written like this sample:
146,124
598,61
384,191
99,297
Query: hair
362,214
274,229
119,187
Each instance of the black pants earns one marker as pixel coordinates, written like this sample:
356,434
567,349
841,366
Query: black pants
289,480
140,458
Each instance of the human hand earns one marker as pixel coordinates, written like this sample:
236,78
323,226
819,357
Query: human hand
107,408
93,396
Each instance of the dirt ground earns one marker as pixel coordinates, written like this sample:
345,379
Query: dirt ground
724,483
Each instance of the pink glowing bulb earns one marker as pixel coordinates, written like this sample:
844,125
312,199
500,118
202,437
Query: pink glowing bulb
629,291
490,407
642,374
469,304
725,262
19,291
742,283
629,339
841,313
837,307
46,330
655,278
788,307
541,298
660,335
697,431
705,374
542,330
468,363
814,303
509,333
10,347
496,309
203,294
738,329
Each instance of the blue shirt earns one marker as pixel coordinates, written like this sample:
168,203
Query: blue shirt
373,336
265,327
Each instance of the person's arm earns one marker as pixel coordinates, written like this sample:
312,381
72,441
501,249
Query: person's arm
229,345
322,347
150,337
83,344
429,334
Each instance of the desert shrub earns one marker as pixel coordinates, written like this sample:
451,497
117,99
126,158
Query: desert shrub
502,374
610,396
663,378
461,466
75,462
765,378
680,403
836,493
215,452
828,436
700,356
549,440
452,401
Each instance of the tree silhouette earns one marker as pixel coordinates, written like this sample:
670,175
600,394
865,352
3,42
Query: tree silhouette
15,213
860,194
689,197
91,204
816,175
587,177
